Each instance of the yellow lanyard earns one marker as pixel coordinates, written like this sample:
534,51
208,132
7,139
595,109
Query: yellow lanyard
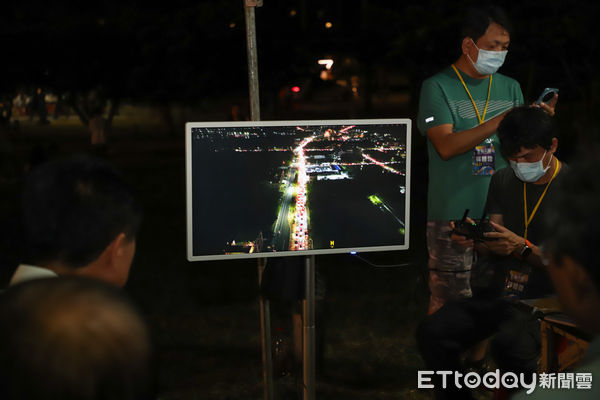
479,117
528,220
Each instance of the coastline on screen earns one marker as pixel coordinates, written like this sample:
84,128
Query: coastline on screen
286,188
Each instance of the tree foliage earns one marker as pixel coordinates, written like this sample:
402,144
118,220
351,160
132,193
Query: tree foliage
188,51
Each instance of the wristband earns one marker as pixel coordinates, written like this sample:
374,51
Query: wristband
526,249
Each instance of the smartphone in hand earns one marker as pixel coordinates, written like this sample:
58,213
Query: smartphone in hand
546,95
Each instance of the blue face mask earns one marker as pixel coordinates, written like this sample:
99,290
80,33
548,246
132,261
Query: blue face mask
488,61
530,172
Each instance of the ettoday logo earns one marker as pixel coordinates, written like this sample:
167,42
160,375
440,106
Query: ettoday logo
509,380
472,380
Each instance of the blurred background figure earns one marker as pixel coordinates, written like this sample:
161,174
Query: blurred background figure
72,338
38,106
20,104
572,262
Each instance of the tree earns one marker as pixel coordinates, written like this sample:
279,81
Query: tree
98,55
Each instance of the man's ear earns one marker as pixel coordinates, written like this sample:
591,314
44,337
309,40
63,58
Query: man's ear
115,248
554,145
467,45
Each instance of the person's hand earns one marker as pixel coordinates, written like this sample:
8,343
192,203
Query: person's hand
507,241
460,239
549,107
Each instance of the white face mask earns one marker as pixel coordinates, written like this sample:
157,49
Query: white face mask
488,61
530,172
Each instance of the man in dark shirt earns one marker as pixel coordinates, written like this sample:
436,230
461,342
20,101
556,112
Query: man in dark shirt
517,200
79,217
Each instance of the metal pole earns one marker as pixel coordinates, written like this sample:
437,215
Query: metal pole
308,310
265,334
265,314
249,6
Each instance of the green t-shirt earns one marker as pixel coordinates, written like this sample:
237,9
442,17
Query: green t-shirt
453,186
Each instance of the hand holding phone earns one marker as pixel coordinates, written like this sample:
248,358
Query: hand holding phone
546,95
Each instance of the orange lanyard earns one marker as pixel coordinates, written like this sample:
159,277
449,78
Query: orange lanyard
479,117
528,220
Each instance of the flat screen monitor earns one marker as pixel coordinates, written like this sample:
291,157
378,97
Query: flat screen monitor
284,188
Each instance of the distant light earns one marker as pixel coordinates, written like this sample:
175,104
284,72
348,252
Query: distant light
353,253
328,24
292,13
232,25
295,89
327,62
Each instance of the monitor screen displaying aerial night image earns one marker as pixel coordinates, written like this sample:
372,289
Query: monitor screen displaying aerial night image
282,188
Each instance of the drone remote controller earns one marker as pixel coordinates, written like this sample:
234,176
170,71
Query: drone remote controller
474,231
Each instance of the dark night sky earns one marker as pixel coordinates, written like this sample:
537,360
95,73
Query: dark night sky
194,52
184,50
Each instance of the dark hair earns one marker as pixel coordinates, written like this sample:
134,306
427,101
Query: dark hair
72,339
526,127
478,19
73,208
574,218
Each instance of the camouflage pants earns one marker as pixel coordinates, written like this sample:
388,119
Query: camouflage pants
449,266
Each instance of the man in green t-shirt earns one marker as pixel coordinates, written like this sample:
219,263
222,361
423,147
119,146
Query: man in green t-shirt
459,112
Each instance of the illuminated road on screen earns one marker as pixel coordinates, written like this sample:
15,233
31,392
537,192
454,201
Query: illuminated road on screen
291,229
281,231
306,187
300,224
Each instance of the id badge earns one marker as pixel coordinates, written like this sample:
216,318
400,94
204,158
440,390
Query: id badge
484,159
515,283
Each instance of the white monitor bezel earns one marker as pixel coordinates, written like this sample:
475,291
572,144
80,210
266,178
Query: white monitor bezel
188,170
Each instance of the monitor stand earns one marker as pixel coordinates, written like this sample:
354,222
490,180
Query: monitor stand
308,327
308,318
